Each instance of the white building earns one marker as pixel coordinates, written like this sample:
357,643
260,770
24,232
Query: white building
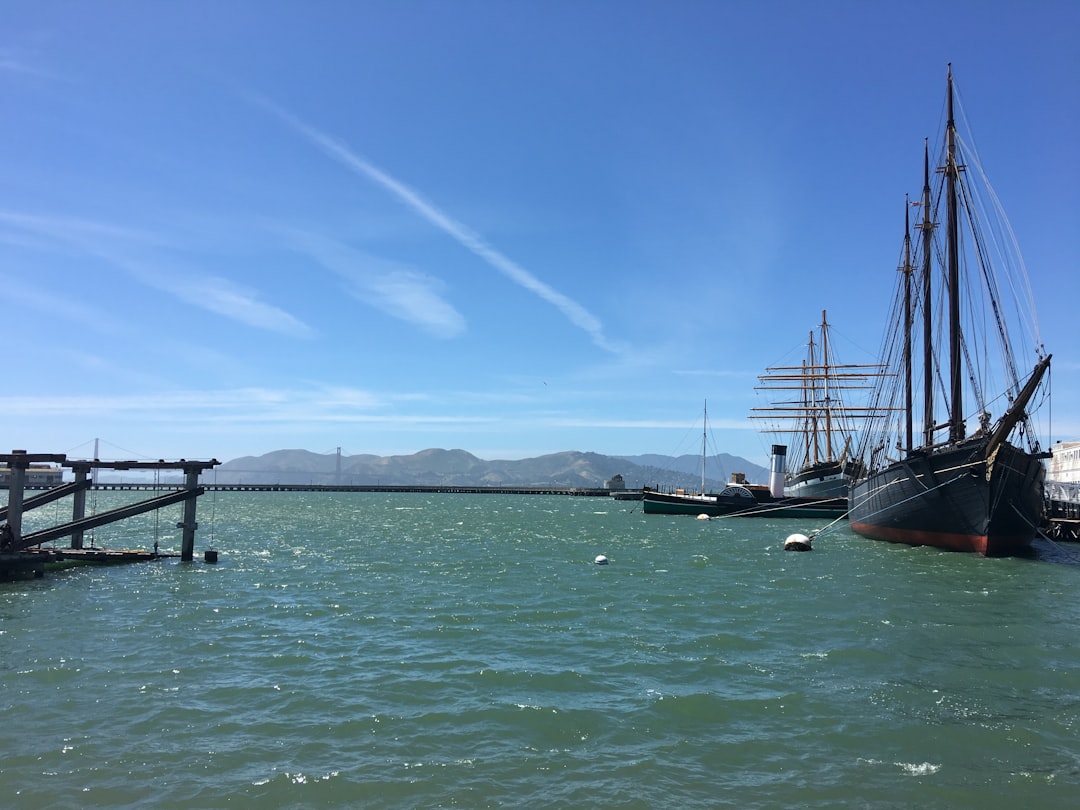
1064,467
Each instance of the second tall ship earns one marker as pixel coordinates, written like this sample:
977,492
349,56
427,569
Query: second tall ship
818,407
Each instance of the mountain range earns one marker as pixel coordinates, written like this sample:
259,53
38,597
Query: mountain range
436,467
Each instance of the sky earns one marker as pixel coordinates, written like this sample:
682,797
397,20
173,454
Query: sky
513,228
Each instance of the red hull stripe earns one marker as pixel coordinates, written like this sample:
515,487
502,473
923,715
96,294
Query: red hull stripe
949,541
914,537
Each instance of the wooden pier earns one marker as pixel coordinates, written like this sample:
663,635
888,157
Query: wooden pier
1063,510
17,552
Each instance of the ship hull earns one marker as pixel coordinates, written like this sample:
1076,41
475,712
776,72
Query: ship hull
660,503
953,499
827,479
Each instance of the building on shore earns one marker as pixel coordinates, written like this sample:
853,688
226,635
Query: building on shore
37,476
1064,466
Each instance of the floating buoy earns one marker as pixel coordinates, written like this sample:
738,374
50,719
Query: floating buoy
601,559
797,542
703,516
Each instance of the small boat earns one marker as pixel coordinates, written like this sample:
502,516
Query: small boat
731,499
737,498
962,480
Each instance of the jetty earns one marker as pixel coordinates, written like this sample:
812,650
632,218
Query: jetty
20,554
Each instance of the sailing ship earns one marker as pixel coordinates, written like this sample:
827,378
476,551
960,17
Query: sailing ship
813,405
981,492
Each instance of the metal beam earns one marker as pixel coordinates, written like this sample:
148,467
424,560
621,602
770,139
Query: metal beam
46,497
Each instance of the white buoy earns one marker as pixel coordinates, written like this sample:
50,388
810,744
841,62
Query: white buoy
797,542
601,559
703,516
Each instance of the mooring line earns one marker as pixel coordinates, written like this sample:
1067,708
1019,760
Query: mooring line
1038,530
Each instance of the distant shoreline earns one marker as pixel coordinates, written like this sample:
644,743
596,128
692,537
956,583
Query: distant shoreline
433,489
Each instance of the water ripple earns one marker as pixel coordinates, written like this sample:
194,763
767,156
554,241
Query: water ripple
424,651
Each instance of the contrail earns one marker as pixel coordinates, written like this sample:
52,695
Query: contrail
577,314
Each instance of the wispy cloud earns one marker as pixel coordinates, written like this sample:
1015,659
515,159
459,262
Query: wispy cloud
575,312
29,297
637,424
313,404
74,230
401,292
245,406
141,255
716,372
14,61
224,297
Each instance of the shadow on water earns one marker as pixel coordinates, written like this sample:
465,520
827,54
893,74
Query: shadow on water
1046,550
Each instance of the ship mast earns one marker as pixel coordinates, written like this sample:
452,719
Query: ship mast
952,172
825,377
927,228
704,432
820,405
906,270
814,446
810,420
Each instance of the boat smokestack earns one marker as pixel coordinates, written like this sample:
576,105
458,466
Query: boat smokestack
776,472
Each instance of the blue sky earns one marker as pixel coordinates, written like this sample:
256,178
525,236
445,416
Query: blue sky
513,228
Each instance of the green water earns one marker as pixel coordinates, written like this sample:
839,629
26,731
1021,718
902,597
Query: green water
399,651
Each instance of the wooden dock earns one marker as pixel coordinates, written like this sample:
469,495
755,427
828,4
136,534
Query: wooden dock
1063,510
21,554
33,563
108,556
26,564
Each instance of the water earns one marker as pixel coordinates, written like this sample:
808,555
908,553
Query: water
412,650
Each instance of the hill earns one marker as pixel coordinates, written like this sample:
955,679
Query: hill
436,467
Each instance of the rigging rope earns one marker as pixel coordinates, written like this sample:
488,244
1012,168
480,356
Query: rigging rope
829,526
755,512
917,494
1044,536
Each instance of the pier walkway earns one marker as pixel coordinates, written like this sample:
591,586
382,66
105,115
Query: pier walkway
1063,510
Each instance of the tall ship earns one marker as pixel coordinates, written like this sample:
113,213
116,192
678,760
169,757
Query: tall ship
948,472
818,408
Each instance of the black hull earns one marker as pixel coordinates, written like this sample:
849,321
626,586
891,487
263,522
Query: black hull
763,505
826,479
665,503
953,499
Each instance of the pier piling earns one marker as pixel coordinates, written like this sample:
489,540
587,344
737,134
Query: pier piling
18,461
